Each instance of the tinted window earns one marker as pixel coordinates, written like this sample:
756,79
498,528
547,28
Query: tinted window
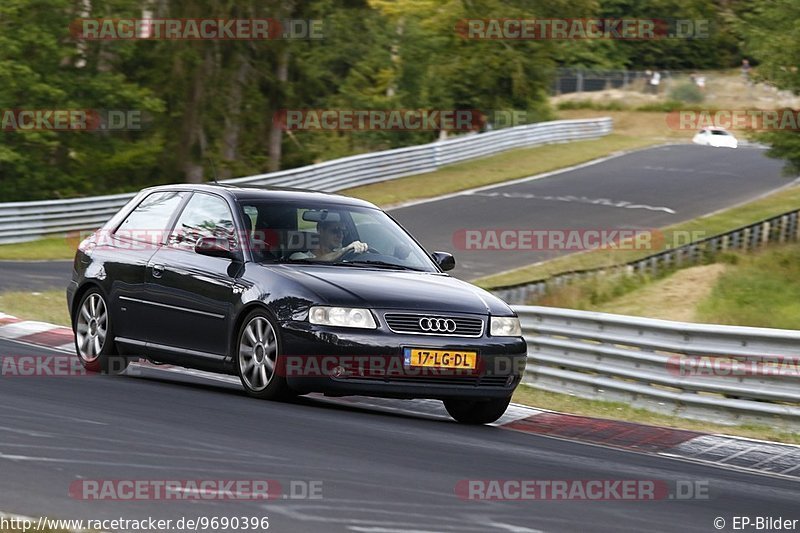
718,132
290,231
204,216
149,220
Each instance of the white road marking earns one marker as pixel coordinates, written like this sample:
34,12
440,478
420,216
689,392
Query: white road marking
23,329
525,179
605,202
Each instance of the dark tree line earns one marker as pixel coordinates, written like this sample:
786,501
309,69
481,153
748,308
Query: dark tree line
214,100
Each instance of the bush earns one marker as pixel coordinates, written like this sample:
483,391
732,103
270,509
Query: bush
687,92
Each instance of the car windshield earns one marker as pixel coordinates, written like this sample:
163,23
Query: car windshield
340,235
718,132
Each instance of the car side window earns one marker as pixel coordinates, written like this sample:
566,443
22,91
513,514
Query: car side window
205,215
149,221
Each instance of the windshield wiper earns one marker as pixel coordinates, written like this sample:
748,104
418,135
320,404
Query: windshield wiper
382,264
306,261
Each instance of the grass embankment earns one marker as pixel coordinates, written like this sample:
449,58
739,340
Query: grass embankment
759,289
49,248
45,306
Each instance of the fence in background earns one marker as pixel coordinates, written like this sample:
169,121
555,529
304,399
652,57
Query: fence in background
23,221
573,80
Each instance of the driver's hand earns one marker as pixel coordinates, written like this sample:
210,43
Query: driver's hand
357,247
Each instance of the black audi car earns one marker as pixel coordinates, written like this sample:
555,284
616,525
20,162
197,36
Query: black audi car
295,292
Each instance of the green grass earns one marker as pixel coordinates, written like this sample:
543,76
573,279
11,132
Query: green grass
760,289
566,403
56,247
46,306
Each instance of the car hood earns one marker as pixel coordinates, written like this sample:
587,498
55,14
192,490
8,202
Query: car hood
391,289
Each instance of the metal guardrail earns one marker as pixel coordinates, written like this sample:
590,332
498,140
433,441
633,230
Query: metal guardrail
638,361
781,228
22,221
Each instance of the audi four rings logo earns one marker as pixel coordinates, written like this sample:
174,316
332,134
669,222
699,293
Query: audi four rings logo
440,325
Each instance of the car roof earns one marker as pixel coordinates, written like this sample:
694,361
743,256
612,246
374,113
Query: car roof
288,194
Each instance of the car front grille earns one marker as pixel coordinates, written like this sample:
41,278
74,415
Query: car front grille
440,325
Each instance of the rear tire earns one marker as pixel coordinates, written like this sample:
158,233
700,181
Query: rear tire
258,348
477,411
94,336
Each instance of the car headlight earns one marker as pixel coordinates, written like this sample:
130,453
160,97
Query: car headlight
505,326
346,317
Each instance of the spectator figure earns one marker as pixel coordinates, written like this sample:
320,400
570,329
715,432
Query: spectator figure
700,81
746,70
655,81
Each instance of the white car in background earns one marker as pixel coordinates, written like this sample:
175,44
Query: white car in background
717,137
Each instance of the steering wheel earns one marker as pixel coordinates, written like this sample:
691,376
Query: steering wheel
352,253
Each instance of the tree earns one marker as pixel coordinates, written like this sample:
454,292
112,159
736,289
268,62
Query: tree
772,37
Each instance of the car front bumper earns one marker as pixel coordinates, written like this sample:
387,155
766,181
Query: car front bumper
340,361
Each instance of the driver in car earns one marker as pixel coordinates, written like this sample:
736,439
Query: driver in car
329,246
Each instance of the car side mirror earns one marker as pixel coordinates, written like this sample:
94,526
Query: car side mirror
445,260
214,247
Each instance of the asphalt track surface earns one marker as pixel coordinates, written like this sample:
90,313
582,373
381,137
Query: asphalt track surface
380,472
34,275
646,189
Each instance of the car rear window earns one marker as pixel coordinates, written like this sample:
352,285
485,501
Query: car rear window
149,221
205,215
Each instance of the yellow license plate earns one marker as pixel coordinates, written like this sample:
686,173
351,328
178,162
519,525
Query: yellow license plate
439,358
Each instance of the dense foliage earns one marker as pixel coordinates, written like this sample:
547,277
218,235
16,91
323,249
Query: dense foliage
214,100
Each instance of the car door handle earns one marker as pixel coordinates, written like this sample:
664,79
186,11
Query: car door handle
158,270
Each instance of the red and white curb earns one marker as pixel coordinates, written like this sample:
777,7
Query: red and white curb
725,451
36,333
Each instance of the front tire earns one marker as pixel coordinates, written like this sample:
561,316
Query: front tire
477,411
94,336
258,349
